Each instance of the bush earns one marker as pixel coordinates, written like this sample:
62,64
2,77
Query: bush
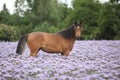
53,29
43,27
46,27
25,29
106,33
8,33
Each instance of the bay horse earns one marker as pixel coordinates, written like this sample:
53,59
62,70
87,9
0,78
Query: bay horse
61,42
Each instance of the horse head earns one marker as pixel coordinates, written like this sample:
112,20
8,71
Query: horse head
78,28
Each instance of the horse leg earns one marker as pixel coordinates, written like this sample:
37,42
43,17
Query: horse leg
33,52
66,53
62,54
33,49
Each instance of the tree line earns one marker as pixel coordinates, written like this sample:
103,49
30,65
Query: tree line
101,20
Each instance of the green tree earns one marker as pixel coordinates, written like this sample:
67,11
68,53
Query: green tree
109,21
4,15
114,1
40,11
88,12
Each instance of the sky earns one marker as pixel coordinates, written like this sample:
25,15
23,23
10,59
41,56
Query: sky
11,3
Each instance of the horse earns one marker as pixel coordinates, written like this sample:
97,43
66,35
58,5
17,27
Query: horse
60,42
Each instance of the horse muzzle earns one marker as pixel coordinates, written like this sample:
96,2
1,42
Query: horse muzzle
77,35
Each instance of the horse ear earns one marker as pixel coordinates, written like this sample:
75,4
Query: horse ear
75,22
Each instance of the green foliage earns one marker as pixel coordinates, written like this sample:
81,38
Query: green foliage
8,33
88,12
25,29
53,29
46,27
109,22
100,20
43,27
106,33
4,15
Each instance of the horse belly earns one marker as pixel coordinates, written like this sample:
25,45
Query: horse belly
51,48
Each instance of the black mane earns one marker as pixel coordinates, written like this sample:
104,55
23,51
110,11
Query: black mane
68,33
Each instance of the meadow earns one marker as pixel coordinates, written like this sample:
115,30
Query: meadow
89,60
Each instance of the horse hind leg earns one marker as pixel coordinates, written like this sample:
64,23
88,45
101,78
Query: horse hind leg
33,52
34,48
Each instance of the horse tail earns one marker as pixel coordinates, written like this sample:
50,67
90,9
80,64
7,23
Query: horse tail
21,44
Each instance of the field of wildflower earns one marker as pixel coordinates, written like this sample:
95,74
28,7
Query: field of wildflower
89,60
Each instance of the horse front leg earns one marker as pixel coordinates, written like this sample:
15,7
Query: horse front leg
66,53
62,54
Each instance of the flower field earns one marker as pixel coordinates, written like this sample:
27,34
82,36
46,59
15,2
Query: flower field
89,60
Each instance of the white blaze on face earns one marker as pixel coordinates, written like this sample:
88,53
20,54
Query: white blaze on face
78,27
77,31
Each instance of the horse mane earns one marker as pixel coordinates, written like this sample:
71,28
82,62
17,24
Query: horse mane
68,33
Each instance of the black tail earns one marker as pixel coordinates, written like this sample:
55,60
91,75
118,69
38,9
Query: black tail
21,44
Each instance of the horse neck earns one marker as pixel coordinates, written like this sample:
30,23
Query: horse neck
68,34
70,43
72,40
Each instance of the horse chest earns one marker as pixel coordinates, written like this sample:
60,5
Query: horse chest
68,45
